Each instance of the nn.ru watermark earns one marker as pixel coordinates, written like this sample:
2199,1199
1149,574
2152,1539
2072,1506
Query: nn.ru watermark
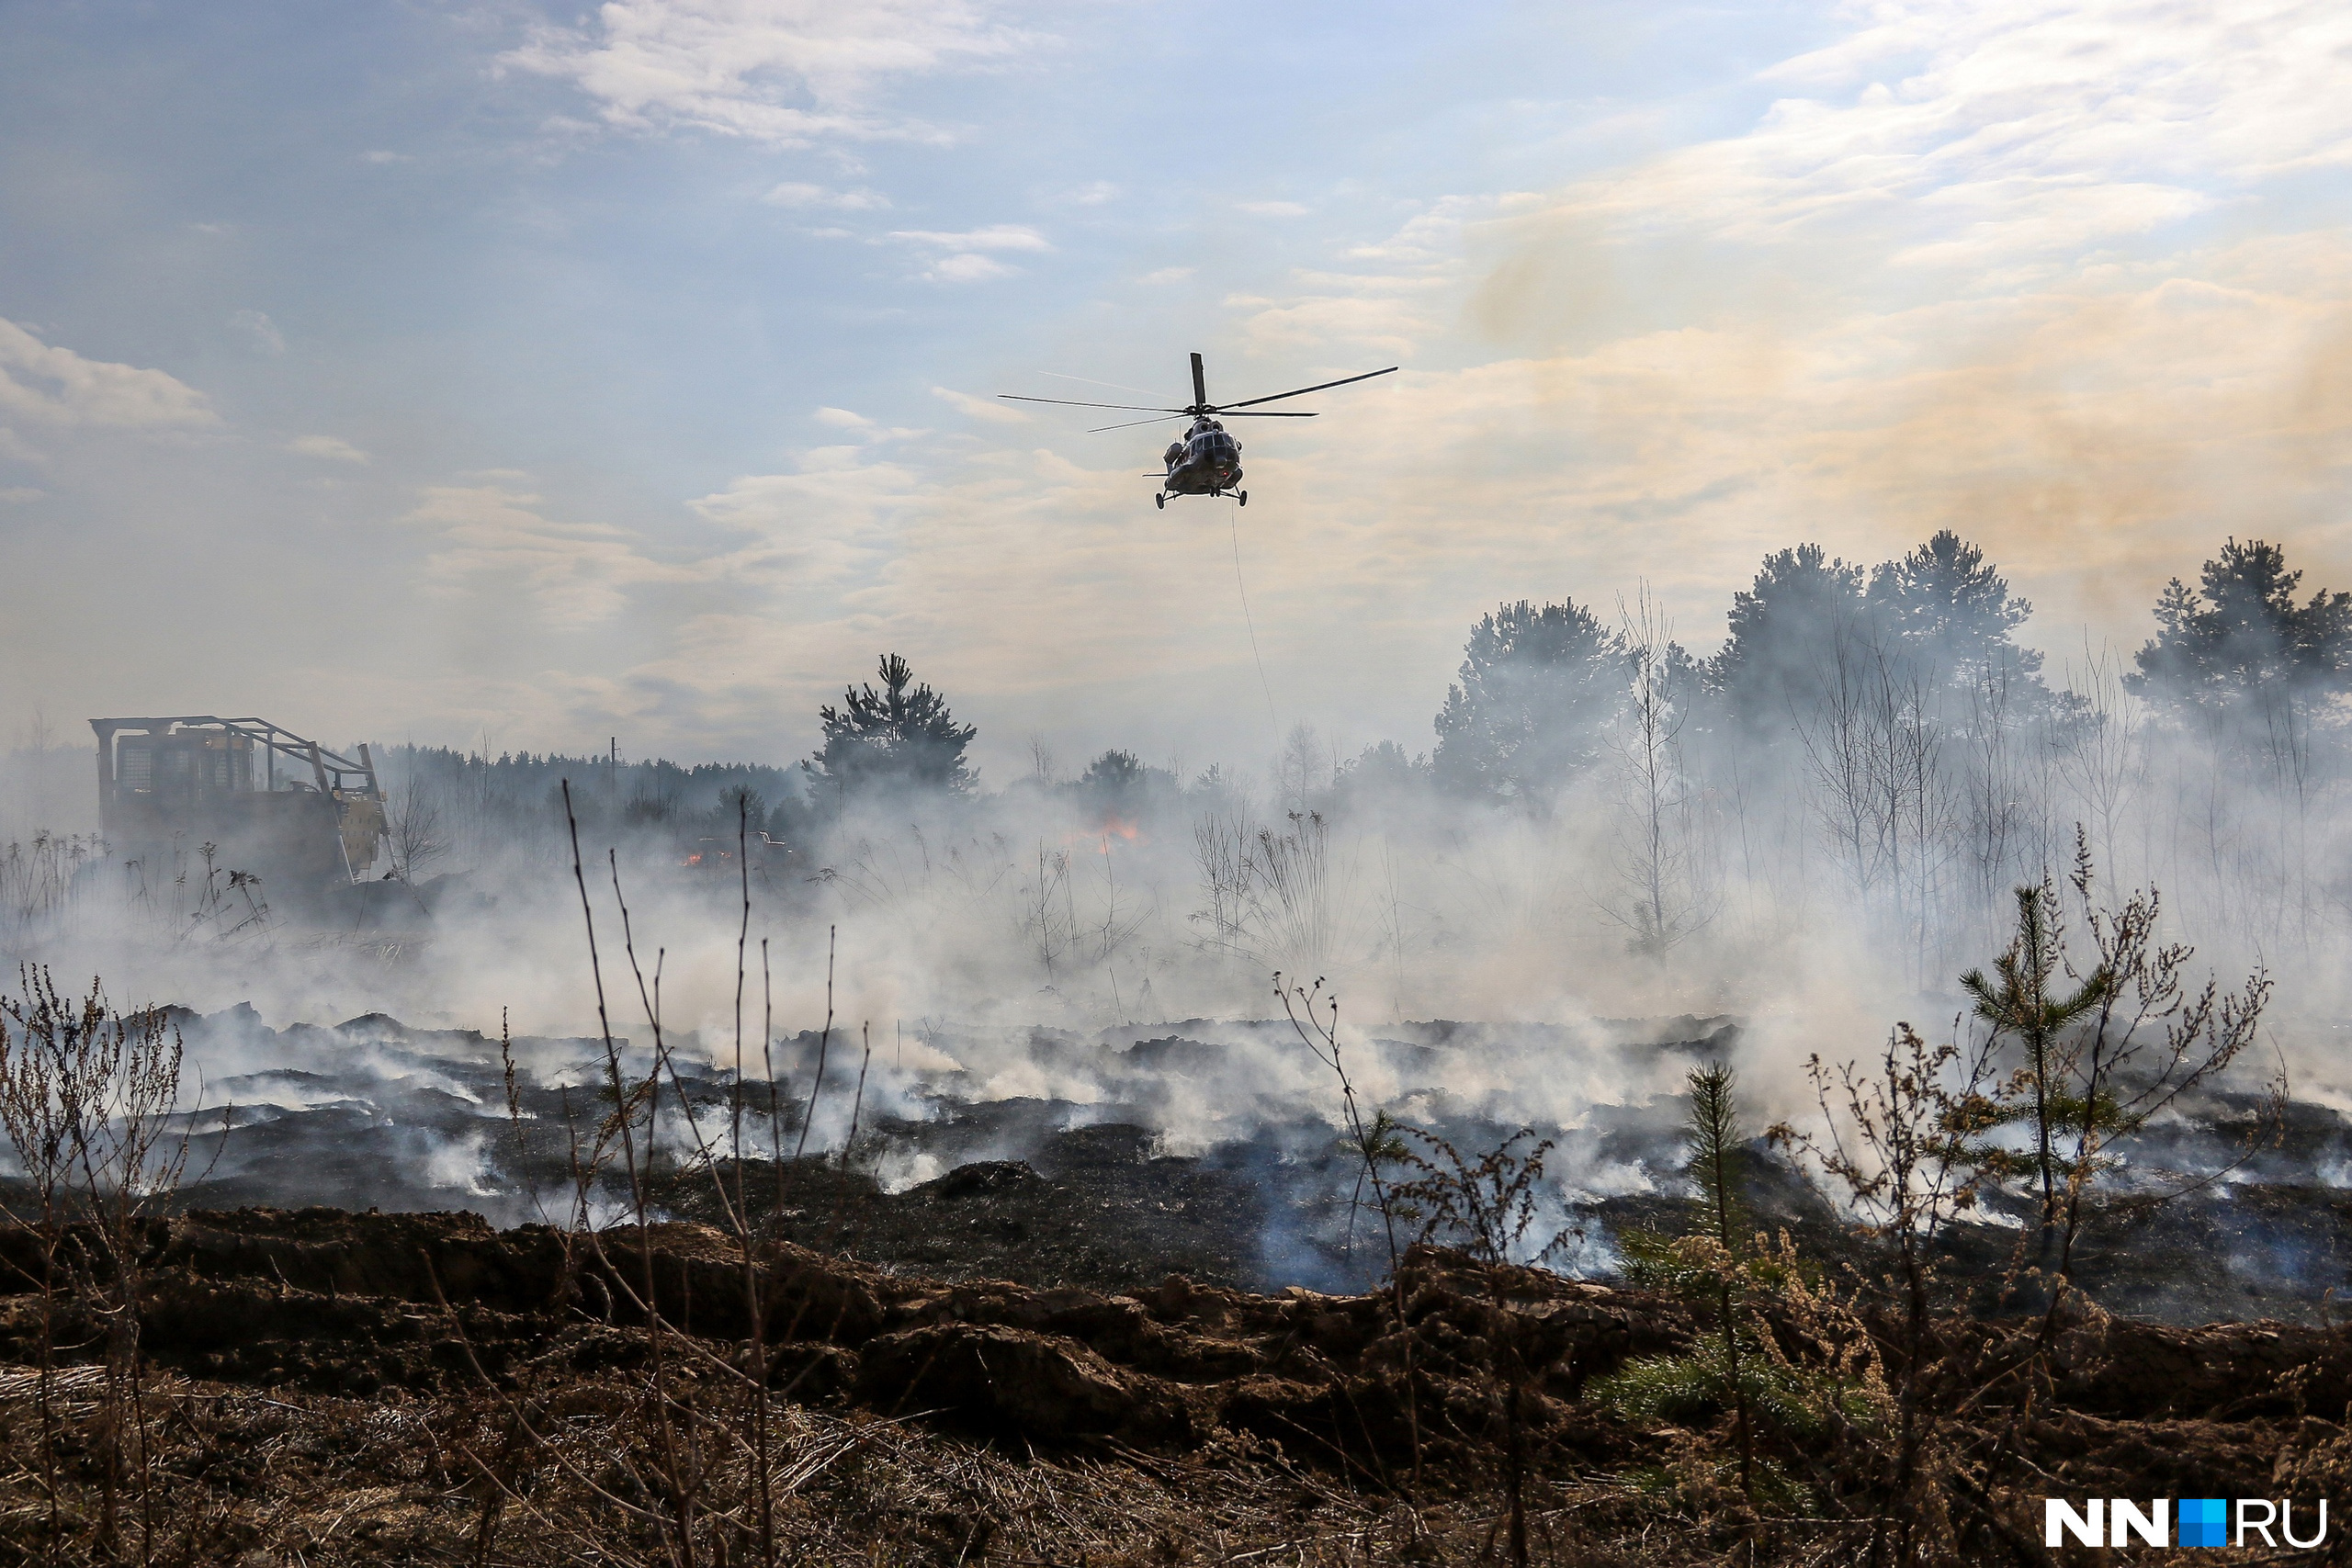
2190,1521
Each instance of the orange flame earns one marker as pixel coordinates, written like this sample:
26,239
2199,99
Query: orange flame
1098,837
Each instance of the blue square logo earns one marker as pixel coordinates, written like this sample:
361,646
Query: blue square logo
2204,1521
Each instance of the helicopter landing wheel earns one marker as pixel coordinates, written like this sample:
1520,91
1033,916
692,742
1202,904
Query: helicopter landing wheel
1242,496
1160,502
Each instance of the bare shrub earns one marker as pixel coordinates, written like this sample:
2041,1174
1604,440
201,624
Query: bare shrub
690,1468
1274,898
1487,1207
88,1098
1894,1147
39,879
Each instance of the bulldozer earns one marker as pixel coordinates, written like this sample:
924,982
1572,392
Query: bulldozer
301,818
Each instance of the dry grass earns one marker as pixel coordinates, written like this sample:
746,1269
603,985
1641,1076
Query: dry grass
258,1477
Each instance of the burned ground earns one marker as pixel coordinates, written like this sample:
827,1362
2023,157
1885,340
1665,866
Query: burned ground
1105,1193
992,1327
334,1388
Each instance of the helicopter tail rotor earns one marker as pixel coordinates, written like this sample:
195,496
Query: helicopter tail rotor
1200,384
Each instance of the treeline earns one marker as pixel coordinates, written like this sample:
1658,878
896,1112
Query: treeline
446,809
1876,734
1813,643
651,788
1871,735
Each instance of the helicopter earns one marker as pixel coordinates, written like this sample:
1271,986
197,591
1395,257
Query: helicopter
1205,461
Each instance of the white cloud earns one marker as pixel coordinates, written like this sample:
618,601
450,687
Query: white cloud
1272,208
970,263
793,193
1434,237
1166,275
495,539
995,237
331,448
381,156
832,497
267,338
1092,194
2000,131
58,386
18,495
1394,314
496,542
820,524
987,409
783,72
858,427
968,267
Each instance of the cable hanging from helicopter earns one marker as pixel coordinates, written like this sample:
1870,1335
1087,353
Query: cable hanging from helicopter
1206,459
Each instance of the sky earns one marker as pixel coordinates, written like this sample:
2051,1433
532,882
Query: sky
517,375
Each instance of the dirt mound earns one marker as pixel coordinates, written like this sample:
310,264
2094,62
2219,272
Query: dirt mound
352,1304
448,1320
355,1303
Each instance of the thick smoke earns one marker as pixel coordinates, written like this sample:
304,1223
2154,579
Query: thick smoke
1812,831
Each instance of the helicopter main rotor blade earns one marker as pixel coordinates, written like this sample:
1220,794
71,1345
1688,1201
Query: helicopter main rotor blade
1279,396
1200,384
1268,413
1069,403
1114,386
1133,422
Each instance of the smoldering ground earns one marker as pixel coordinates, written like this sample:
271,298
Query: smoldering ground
1774,851
1113,1157
1761,859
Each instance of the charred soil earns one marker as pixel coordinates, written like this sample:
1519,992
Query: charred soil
338,1388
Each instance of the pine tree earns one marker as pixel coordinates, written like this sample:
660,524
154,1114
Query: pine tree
2240,637
2026,997
1782,634
1718,1152
1535,687
1948,610
1719,1271
901,736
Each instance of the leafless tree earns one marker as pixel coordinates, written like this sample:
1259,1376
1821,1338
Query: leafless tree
1667,894
2152,1039
413,823
1302,769
2103,757
1876,747
1040,761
